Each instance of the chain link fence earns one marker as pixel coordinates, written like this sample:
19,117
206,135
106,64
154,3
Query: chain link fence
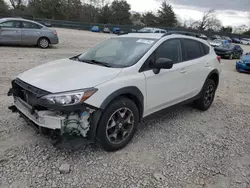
124,28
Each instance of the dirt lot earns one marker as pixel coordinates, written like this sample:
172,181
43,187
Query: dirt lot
182,148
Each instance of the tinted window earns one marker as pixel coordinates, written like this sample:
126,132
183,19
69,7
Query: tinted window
157,31
192,49
205,48
237,47
11,24
163,31
30,25
170,49
227,46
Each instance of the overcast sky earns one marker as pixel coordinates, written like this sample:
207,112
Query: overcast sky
230,12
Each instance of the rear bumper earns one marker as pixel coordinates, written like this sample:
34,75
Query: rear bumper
242,67
54,40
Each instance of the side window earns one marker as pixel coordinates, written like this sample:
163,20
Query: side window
163,31
170,49
237,47
192,49
29,25
11,24
157,31
205,48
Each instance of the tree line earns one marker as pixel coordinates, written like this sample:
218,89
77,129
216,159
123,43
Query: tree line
117,12
94,11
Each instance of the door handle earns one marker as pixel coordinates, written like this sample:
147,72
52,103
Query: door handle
207,65
183,71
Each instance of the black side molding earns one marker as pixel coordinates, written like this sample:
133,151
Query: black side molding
123,91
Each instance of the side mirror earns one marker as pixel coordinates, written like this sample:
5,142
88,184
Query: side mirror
163,63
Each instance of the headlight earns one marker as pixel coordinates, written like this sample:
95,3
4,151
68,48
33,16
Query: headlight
240,61
66,98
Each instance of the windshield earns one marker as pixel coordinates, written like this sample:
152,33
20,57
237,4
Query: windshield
217,41
118,52
228,46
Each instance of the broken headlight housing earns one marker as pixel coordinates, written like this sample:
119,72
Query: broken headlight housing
66,98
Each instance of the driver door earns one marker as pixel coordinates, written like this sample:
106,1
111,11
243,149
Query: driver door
169,86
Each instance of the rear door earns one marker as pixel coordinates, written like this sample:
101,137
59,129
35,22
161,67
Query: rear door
10,32
198,65
31,32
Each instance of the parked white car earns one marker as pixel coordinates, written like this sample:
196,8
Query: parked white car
245,41
216,42
104,93
151,30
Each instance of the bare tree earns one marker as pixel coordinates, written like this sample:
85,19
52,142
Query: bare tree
98,3
16,4
209,21
190,23
240,29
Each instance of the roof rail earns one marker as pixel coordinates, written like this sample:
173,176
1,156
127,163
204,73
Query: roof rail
182,33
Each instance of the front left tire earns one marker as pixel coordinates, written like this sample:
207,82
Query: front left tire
118,124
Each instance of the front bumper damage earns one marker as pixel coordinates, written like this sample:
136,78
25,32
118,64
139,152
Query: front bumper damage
46,119
79,121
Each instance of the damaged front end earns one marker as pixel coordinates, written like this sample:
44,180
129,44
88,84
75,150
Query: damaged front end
62,113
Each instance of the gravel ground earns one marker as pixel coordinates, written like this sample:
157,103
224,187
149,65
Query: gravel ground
179,148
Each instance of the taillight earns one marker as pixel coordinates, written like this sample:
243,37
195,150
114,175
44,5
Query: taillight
219,58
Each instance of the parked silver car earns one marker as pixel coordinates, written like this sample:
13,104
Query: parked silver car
26,32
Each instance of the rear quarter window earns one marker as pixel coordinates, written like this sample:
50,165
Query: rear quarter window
30,25
192,49
206,48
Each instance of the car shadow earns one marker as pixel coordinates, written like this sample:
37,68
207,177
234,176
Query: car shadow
75,144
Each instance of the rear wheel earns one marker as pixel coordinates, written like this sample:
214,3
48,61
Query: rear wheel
207,96
117,124
43,43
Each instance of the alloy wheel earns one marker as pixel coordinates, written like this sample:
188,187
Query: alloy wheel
44,43
120,125
209,94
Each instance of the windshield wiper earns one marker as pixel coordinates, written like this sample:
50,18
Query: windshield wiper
95,62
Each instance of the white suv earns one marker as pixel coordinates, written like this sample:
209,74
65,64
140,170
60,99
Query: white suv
103,94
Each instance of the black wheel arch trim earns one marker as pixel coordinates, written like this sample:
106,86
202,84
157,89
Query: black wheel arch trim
215,71
131,90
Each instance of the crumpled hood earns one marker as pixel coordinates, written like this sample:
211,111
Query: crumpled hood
66,75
